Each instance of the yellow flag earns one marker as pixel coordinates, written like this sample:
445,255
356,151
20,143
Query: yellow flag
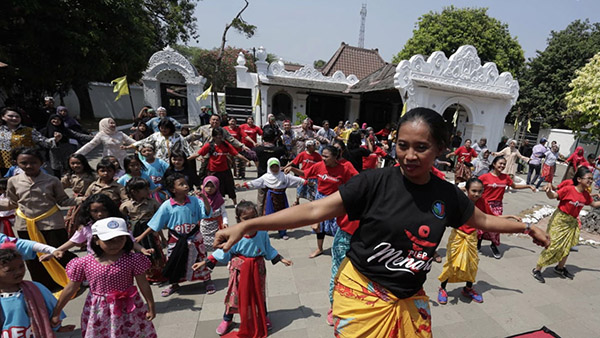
257,101
516,124
120,86
403,110
528,125
455,118
204,95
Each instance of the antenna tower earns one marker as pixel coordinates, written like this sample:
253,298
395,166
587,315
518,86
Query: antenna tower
363,18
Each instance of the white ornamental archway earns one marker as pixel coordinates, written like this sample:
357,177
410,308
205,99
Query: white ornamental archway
439,83
169,66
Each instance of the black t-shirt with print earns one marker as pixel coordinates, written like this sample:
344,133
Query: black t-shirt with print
401,225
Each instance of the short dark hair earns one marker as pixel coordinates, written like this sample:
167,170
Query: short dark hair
31,151
170,181
437,126
354,140
166,122
105,164
136,184
7,109
9,255
83,215
242,207
472,180
269,135
98,250
333,150
131,158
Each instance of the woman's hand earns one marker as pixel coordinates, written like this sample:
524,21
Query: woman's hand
57,136
226,238
286,262
540,237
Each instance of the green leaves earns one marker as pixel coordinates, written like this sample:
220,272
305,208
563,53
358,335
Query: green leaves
583,100
453,27
545,81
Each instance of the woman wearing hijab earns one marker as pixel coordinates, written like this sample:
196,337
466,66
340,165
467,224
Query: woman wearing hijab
110,139
67,145
69,121
275,181
511,153
218,220
166,141
482,163
576,159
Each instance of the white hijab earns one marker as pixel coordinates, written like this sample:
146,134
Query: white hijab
275,181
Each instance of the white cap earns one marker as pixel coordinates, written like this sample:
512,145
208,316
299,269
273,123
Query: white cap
109,228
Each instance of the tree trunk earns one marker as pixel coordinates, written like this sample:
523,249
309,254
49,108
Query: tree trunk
86,110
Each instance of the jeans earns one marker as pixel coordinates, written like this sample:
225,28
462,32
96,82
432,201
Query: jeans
532,168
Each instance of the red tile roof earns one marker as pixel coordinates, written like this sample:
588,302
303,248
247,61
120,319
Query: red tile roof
354,60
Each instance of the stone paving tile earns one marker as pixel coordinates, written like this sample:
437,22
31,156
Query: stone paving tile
297,296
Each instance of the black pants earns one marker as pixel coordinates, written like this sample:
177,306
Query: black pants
37,271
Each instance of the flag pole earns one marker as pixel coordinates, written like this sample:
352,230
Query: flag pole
131,101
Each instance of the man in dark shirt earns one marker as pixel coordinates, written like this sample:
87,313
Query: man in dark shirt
272,125
526,150
264,152
502,144
457,140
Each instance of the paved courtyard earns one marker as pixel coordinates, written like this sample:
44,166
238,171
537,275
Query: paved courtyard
297,296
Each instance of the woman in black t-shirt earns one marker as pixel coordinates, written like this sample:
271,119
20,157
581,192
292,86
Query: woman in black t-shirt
356,152
403,213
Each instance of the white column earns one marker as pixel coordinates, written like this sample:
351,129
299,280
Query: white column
300,104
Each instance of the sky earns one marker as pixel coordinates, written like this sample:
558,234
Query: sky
303,31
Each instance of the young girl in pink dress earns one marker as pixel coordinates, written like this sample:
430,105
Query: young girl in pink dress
113,307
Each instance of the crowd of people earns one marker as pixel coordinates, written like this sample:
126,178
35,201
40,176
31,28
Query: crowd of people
153,210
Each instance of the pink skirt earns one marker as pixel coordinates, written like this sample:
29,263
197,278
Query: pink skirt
497,210
99,320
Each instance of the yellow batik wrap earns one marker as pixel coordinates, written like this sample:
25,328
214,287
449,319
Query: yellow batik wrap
564,234
462,260
363,308
55,270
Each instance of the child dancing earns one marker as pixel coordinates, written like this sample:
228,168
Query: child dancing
139,209
462,260
113,307
25,306
247,275
275,181
181,214
218,220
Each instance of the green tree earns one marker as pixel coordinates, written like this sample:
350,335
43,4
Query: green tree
205,61
454,27
583,101
55,45
545,80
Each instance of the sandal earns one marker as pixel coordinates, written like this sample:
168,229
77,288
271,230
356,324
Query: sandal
169,290
210,288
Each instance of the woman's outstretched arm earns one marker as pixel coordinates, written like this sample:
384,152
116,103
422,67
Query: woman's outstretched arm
290,218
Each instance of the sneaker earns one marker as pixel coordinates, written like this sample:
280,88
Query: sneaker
563,273
330,317
269,325
538,276
495,251
285,237
442,296
574,248
223,328
471,293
